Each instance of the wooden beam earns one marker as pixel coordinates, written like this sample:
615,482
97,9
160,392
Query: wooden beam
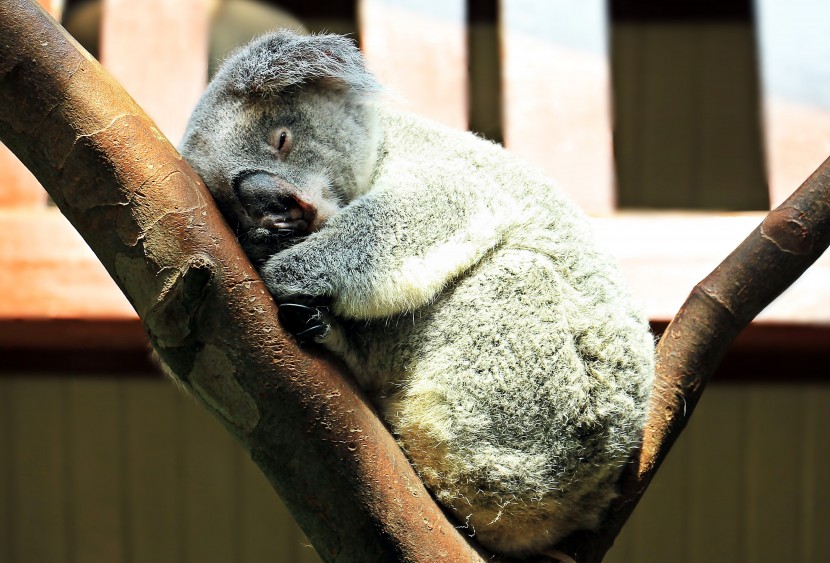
795,87
557,109
157,49
418,52
53,7
47,271
663,255
18,188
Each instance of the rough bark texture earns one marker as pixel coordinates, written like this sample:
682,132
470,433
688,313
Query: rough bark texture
772,257
151,222
149,219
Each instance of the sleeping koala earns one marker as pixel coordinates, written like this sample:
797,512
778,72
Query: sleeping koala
462,289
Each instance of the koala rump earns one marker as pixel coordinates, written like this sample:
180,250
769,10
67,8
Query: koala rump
464,291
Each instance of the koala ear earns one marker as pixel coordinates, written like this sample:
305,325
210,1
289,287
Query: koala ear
282,59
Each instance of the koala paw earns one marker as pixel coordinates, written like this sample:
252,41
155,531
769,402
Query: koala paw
296,273
306,320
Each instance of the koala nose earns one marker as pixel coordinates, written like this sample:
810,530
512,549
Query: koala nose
262,193
274,204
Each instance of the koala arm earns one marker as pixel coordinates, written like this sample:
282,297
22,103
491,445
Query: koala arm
393,250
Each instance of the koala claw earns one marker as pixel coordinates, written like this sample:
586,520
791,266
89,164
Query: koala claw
306,322
316,332
286,233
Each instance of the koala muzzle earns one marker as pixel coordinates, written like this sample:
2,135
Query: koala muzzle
274,204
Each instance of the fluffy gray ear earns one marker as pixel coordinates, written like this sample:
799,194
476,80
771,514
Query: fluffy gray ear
282,59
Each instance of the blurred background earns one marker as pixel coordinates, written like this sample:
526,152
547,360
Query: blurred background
674,124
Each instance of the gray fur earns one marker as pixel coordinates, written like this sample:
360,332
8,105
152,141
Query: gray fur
284,59
469,298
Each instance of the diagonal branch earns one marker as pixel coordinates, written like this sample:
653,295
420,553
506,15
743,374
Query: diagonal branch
767,262
152,224
150,221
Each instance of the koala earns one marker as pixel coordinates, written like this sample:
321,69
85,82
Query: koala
462,289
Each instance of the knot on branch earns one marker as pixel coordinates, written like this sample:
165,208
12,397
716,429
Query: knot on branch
170,320
785,228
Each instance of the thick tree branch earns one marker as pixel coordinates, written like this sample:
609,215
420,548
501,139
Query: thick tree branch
150,221
772,257
155,228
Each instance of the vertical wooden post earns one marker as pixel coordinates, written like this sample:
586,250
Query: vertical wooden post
794,49
556,94
418,51
157,49
18,187
54,7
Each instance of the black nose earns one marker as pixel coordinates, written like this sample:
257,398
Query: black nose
263,193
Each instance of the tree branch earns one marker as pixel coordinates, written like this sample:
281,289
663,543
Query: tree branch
767,262
155,228
149,219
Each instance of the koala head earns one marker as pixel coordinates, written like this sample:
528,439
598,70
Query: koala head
285,135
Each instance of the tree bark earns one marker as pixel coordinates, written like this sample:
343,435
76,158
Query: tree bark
155,228
151,222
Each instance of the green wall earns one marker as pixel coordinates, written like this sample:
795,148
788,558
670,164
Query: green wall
108,470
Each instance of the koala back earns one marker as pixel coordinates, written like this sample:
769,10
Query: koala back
520,391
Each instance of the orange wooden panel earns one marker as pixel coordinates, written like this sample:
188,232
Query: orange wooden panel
557,97
54,7
798,140
418,52
18,188
47,271
664,255
157,50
